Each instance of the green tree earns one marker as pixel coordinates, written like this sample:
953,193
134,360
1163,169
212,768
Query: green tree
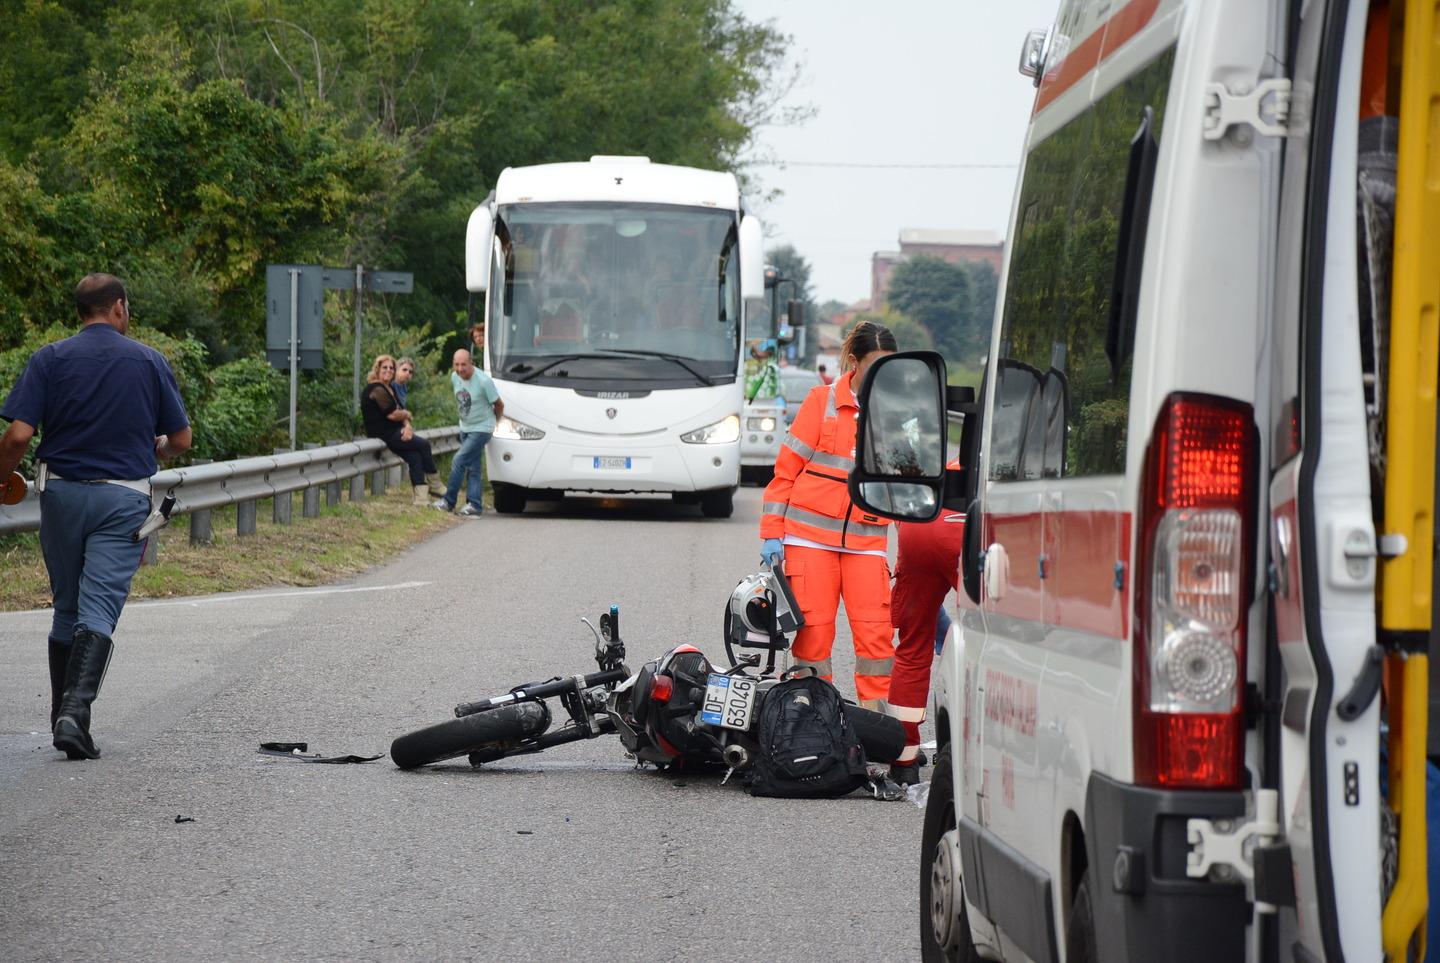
31,259
196,186
937,294
184,144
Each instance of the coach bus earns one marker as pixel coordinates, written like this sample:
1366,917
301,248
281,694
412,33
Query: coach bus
614,296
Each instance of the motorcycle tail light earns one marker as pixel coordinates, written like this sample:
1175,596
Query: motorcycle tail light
662,688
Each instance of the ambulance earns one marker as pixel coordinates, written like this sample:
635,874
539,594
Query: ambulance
1182,716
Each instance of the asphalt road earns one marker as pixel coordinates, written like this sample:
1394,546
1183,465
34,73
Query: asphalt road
571,854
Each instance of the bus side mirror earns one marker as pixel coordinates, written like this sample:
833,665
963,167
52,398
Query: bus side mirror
796,311
752,257
479,238
900,441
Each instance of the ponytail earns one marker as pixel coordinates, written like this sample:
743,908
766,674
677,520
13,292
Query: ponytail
865,337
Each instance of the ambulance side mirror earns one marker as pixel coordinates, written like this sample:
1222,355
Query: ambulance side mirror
900,442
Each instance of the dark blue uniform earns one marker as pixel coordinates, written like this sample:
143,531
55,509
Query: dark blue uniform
98,399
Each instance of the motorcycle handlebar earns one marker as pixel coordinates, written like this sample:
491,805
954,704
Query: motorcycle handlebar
536,691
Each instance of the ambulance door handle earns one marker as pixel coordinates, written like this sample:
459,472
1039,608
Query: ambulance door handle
997,572
1363,689
971,558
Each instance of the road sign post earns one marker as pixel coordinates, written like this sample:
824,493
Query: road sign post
359,305
294,349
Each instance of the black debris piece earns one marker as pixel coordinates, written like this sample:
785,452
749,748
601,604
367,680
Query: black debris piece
297,750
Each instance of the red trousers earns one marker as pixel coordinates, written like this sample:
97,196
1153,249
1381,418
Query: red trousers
927,567
820,578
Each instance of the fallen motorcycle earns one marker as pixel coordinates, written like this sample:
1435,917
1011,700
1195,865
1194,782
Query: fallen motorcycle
676,712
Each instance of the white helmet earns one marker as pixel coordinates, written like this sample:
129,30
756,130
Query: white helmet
761,613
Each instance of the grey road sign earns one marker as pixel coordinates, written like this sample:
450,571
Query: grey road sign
337,279
390,282
310,314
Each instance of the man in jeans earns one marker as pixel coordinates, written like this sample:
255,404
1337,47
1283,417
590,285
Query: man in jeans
480,406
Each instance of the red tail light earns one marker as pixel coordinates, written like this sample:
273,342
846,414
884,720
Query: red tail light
661,688
1192,593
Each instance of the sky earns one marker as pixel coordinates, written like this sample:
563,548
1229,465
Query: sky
909,82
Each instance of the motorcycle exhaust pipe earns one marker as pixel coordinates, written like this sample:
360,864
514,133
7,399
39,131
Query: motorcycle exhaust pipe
735,756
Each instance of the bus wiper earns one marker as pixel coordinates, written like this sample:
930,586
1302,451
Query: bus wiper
681,360
528,374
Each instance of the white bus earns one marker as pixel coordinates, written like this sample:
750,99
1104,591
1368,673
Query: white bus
614,303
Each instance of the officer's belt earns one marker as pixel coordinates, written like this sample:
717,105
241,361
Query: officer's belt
141,485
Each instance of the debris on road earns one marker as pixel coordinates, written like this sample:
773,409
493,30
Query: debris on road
297,750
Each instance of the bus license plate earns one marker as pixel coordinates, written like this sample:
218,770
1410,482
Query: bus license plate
622,462
729,701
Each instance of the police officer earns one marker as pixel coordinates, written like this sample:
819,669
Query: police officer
106,407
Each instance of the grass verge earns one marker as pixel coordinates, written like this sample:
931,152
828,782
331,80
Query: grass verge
346,539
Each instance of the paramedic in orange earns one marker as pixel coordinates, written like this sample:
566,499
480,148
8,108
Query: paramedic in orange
830,548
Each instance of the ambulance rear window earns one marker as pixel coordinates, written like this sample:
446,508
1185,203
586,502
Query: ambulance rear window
1061,406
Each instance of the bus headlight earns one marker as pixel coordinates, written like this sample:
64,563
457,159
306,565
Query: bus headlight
507,427
723,432
766,423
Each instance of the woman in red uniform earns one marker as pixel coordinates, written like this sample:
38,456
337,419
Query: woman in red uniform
832,549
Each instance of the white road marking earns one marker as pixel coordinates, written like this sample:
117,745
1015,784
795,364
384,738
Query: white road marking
245,597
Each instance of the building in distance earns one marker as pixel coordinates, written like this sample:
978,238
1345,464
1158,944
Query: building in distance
954,246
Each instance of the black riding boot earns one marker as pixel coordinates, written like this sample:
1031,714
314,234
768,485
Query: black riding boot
89,657
59,659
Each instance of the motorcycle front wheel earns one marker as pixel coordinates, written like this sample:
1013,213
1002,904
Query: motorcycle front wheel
497,729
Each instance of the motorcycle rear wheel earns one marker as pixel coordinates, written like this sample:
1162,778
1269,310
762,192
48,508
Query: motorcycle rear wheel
882,736
499,728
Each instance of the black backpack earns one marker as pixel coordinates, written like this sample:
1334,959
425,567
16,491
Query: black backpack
807,748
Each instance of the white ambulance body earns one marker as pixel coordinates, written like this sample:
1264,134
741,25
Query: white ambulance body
615,296
1159,722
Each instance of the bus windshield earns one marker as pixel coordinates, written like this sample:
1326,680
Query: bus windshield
615,293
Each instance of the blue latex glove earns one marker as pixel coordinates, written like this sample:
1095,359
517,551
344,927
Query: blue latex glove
772,551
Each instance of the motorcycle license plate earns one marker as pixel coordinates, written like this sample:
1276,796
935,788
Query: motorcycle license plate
729,701
620,462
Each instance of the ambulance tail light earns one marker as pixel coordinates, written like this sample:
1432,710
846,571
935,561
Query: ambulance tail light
1192,593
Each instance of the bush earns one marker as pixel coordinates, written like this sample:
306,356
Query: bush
242,415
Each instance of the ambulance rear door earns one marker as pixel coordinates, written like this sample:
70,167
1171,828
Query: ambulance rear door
1320,743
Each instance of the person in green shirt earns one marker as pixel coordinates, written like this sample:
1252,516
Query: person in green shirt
764,383
479,405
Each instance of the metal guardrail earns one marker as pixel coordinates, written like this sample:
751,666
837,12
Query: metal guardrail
245,481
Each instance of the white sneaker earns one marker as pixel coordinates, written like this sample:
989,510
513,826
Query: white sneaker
468,510
443,505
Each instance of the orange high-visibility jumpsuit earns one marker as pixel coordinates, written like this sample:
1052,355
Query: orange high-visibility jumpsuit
833,550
